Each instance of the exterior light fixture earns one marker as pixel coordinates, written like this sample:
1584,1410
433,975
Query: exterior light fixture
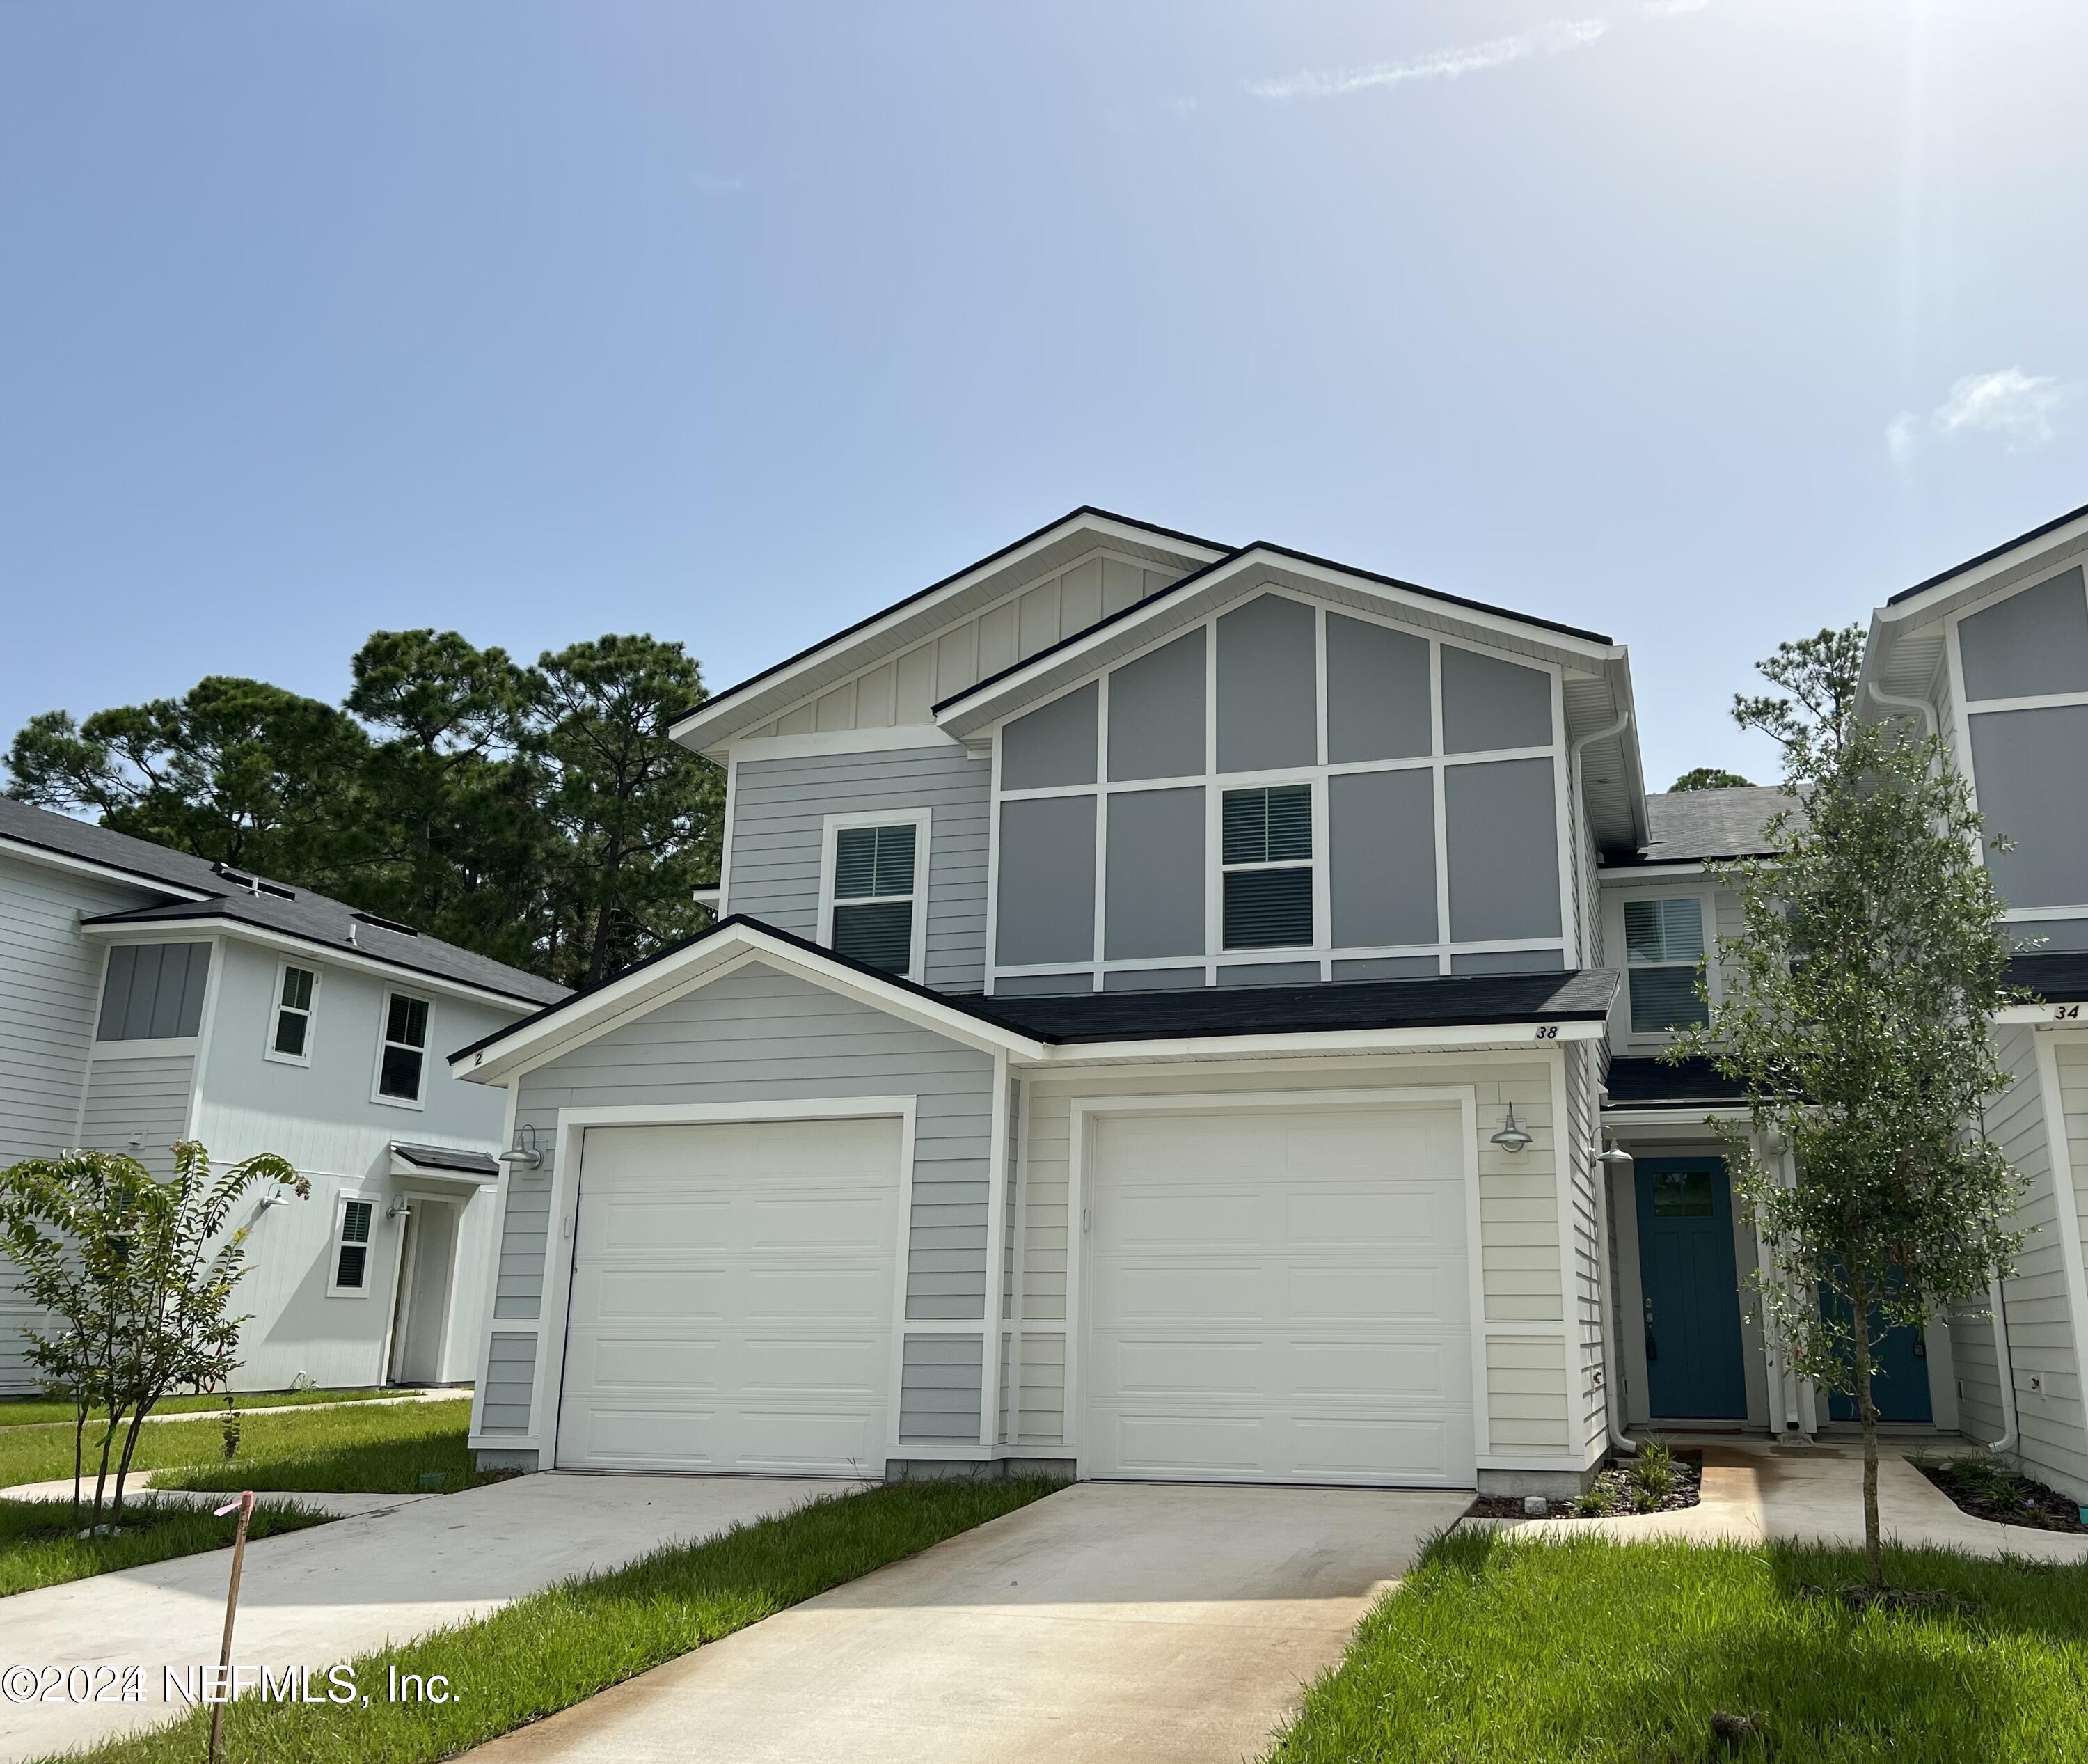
1511,1138
526,1151
275,1198
399,1209
1614,1156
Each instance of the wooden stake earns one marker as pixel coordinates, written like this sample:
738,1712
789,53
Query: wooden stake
244,1505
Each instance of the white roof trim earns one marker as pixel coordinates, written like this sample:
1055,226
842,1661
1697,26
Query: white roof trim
970,708
1321,1042
695,966
698,729
312,949
1970,579
66,860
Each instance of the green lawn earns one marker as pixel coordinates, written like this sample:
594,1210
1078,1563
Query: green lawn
548,1651
39,1546
43,1412
1583,1650
377,1450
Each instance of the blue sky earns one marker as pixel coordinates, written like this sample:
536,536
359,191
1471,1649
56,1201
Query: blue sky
1699,323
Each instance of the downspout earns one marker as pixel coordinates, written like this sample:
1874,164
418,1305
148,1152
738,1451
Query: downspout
2005,1370
1619,1440
1893,702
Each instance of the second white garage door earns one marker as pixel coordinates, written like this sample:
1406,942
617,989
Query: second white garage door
1279,1295
732,1297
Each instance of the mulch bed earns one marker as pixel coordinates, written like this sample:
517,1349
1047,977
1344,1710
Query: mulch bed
1613,1495
1990,1491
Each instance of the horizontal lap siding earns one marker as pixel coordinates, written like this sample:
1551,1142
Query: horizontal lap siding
147,1100
1526,1392
779,817
1519,1251
760,1035
510,1367
939,1387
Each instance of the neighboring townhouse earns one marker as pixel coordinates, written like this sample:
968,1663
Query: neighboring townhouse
1170,1008
148,996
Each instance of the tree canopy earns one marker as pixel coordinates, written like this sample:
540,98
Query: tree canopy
1711,777
538,814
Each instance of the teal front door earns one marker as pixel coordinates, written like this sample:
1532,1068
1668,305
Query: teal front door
1900,1387
1691,1289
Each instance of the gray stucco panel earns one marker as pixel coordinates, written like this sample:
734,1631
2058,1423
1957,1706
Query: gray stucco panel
1381,827
2031,643
1268,694
1377,692
1053,745
1154,897
1504,846
1048,881
1489,704
1156,712
2026,765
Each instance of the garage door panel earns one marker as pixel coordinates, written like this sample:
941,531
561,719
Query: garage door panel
732,1297
1279,1294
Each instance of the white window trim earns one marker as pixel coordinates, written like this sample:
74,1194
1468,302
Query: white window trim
1708,905
419,1099
1215,784
334,1289
276,1007
921,820
1313,947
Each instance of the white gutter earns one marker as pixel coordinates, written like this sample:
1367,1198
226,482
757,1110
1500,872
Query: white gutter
1893,701
1619,1440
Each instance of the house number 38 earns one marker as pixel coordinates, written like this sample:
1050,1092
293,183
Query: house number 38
1547,1032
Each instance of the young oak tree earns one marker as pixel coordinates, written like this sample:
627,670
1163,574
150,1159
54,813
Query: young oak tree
1856,1012
136,1275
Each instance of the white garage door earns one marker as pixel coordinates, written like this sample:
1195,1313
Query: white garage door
1279,1296
732,1297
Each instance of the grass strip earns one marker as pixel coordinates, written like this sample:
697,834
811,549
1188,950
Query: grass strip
42,1411
365,1449
39,1546
1583,1649
558,1646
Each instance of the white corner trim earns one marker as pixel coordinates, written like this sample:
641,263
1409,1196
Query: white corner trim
2065,1198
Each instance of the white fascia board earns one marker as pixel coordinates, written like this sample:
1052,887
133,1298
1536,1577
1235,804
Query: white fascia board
312,948
2046,1014
1536,1035
1968,582
984,702
1620,1121
63,860
696,966
699,729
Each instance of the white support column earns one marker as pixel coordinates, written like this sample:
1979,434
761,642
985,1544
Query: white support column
2066,1201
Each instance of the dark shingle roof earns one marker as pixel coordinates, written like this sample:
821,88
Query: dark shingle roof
313,919
1694,826
474,1163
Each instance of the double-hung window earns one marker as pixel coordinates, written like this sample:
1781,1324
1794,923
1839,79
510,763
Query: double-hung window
402,1059
351,1248
1663,950
290,1032
871,909
1266,851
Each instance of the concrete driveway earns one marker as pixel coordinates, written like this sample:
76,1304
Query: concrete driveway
314,1597
1157,1624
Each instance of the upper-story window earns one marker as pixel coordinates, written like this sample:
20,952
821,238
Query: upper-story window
1663,949
869,901
153,992
1268,859
290,1029
402,1055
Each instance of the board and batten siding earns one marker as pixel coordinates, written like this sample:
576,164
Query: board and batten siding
779,811
760,1035
1534,1400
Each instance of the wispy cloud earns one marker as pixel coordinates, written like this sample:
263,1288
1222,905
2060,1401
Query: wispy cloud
718,183
1671,9
1454,63
2018,407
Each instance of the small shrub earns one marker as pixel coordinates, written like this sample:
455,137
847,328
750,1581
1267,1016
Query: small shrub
1652,1472
1591,1504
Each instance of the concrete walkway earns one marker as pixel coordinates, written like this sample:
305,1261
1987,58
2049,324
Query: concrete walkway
1159,1624
1753,1492
319,1596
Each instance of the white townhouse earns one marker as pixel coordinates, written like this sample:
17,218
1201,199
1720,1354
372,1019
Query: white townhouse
148,996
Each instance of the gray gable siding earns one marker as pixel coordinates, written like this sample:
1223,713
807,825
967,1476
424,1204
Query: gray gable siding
779,814
760,1035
